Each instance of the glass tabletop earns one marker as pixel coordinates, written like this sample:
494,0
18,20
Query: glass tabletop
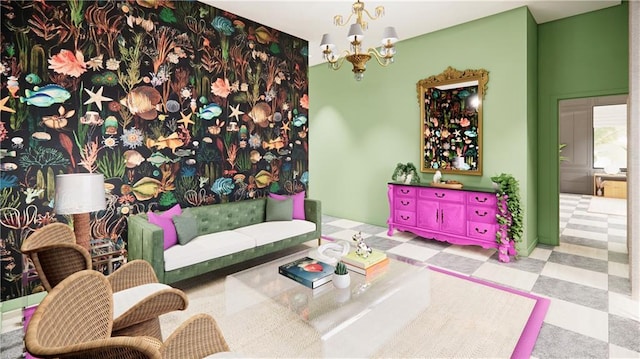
353,321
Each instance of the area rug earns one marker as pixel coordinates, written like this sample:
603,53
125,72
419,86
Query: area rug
615,206
471,318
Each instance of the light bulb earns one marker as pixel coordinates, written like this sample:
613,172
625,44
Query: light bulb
358,76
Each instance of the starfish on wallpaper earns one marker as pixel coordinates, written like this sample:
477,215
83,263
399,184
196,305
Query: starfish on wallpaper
186,119
235,111
97,97
285,126
3,106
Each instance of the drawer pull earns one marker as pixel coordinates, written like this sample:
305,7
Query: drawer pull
404,218
405,203
437,216
481,201
483,231
405,191
481,215
442,215
440,195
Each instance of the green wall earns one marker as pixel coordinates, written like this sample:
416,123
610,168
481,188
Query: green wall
581,56
361,130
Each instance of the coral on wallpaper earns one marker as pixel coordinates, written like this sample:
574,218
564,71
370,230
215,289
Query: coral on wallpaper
174,102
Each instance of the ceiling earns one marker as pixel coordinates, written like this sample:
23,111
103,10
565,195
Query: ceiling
308,19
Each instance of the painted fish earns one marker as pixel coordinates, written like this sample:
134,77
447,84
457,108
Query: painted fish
8,166
33,79
184,152
37,97
158,159
222,186
6,153
172,142
146,188
142,101
276,143
210,111
299,120
43,136
132,158
269,156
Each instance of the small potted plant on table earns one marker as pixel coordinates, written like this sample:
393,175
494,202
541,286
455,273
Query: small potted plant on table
341,278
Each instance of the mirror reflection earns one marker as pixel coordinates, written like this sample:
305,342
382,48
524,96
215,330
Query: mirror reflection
451,121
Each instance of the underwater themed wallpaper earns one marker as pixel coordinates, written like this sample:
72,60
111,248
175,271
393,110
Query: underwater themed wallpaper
173,101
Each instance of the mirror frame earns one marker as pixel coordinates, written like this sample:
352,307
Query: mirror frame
438,135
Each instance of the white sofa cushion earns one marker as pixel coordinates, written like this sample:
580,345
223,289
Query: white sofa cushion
205,247
269,232
125,299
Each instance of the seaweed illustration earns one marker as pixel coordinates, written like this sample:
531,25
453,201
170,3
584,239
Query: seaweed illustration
131,57
89,155
41,157
8,199
8,181
111,164
103,25
184,184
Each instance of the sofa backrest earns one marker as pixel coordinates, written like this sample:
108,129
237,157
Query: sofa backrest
227,216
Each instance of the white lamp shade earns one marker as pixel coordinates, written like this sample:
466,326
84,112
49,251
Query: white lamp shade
389,35
327,43
355,31
79,193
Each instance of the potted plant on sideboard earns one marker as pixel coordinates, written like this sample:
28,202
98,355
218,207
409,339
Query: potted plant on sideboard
509,216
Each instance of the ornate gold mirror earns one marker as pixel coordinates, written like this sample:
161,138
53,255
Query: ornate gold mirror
451,121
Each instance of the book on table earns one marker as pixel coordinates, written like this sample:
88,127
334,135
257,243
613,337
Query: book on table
371,270
353,259
307,271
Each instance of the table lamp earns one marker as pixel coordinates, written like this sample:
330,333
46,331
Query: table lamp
79,194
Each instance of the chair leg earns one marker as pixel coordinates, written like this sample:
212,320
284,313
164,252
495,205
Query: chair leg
150,328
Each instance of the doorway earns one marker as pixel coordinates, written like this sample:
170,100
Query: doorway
593,168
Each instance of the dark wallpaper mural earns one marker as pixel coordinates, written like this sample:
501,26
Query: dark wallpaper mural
173,101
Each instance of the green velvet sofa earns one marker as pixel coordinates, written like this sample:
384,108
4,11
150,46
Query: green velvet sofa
228,233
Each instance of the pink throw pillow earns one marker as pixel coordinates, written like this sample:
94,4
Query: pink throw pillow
298,203
164,220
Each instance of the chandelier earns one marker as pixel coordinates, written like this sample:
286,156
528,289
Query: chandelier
355,55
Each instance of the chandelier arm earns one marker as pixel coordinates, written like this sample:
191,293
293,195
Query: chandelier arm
379,13
382,60
338,20
337,63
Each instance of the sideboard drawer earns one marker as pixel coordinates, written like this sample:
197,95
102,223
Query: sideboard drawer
482,199
404,191
483,231
441,194
404,204
481,214
405,217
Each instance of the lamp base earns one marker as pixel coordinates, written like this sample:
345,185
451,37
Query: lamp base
82,230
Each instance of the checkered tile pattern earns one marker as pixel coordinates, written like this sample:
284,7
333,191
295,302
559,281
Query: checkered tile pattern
585,277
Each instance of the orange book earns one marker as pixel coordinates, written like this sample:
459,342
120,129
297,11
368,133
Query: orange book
371,269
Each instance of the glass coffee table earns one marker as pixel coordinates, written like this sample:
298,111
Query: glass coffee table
286,319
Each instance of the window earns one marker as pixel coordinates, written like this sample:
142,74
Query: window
610,138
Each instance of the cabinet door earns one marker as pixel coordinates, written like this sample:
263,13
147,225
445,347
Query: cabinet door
428,215
452,218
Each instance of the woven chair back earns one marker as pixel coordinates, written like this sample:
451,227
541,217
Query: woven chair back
54,254
76,311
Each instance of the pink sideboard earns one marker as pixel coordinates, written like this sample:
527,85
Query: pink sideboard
457,216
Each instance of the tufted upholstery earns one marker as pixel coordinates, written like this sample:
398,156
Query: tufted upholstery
228,216
145,240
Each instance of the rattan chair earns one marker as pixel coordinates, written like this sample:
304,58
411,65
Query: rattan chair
139,298
75,321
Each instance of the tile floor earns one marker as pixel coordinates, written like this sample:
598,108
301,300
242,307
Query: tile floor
586,277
